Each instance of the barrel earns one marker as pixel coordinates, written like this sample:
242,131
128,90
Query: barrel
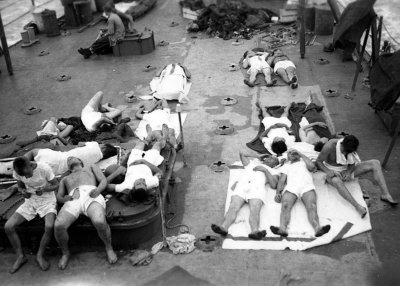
323,20
50,23
310,17
83,11
37,17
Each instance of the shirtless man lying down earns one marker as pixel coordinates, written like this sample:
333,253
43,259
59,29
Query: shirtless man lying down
80,192
251,189
341,163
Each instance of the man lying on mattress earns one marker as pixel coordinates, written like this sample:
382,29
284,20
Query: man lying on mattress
277,137
341,163
251,189
256,63
80,192
90,153
141,173
156,114
296,173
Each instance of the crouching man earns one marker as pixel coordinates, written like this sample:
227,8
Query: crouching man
300,185
37,184
80,194
251,189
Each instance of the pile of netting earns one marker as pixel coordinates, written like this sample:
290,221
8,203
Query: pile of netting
228,19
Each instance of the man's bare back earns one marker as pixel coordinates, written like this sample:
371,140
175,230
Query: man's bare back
329,152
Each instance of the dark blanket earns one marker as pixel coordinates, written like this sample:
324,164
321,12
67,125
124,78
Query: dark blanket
385,81
353,22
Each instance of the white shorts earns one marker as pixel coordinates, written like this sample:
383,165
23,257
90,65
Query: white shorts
152,156
249,190
81,205
90,118
36,205
300,190
258,68
283,65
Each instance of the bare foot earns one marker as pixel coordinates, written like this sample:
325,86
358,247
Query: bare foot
363,211
111,256
278,231
21,260
219,229
43,263
258,235
62,264
390,200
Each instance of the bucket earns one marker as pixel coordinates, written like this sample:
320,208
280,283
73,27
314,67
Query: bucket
309,17
83,12
50,23
37,17
323,20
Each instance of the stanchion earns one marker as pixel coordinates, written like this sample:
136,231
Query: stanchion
179,110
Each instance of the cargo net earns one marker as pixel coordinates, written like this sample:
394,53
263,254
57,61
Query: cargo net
228,19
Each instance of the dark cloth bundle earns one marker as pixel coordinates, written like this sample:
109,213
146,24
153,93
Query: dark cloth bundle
385,81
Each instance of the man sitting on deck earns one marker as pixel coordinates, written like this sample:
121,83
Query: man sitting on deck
95,114
341,163
157,115
251,189
80,192
300,185
142,172
283,67
108,39
89,154
37,184
256,63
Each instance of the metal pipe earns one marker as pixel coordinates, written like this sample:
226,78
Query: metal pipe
302,11
335,10
179,110
5,47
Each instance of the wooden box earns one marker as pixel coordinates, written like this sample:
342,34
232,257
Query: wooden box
135,44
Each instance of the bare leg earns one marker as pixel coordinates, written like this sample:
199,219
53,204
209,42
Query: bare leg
267,75
254,219
164,103
139,145
95,101
61,225
374,166
48,233
172,137
234,207
310,202
288,200
282,73
344,192
10,228
65,133
97,215
253,76
291,73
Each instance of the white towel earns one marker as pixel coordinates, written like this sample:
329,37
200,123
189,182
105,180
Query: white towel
341,159
141,132
332,209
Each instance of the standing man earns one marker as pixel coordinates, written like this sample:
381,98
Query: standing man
37,184
108,38
341,163
80,194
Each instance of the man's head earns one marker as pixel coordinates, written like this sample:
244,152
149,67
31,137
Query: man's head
278,145
320,144
107,9
23,167
278,52
270,160
349,144
293,156
139,192
74,164
108,150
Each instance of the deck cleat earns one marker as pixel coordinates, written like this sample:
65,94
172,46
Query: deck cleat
322,61
32,110
4,139
207,242
218,167
331,93
228,101
224,130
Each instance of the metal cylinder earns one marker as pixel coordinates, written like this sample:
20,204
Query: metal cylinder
83,12
323,20
31,33
50,23
25,37
310,17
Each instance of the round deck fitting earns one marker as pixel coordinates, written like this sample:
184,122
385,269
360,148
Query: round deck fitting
32,110
207,242
224,129
228,101
331,93
218,166
4,139
322,61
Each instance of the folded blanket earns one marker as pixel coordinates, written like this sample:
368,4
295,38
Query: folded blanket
332,209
